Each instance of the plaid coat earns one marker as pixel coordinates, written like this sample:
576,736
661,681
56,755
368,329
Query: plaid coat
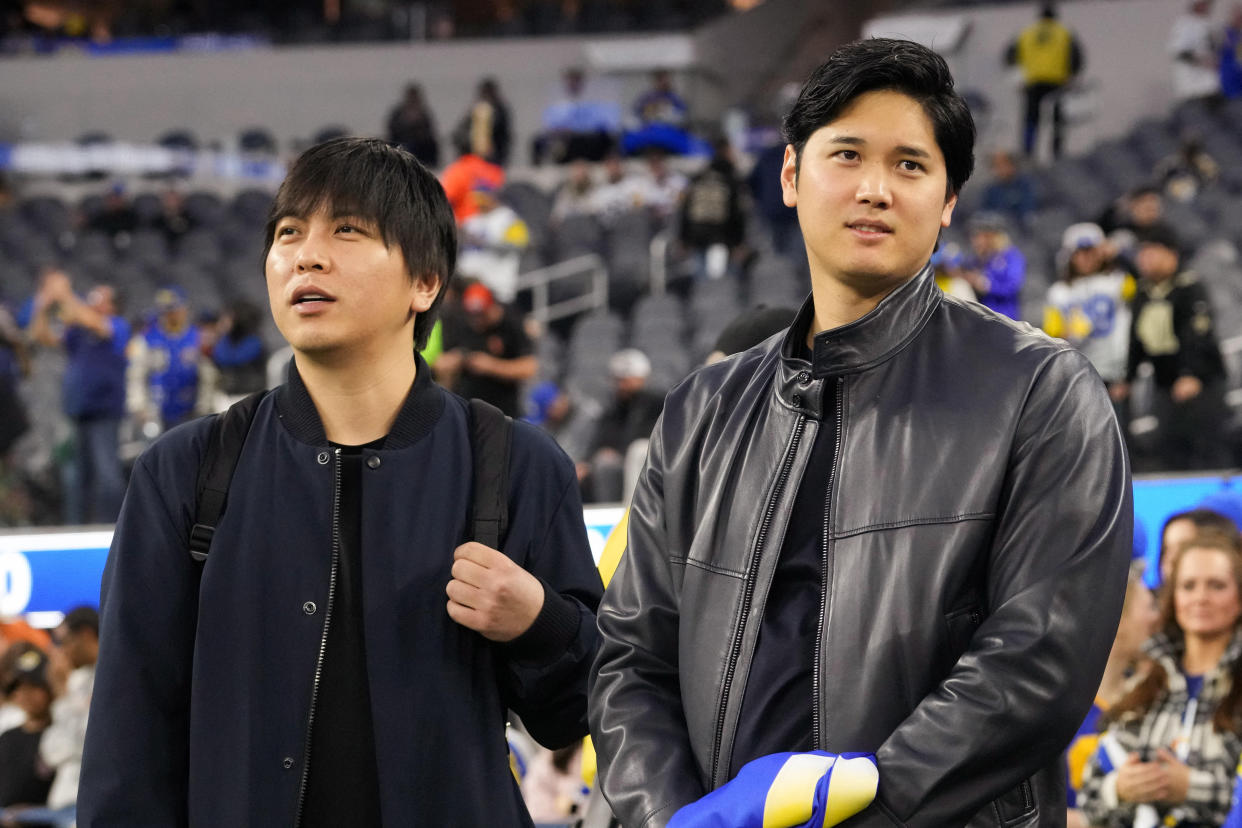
1211,755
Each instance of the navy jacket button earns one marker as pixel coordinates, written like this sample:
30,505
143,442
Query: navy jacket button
323,458
373,461
309,608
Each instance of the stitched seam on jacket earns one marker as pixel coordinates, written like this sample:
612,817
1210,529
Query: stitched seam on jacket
719,570
901,524
654,812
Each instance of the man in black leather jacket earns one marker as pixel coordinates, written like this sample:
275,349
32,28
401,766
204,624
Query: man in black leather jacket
902,527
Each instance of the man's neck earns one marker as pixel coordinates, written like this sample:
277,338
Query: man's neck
358,400
838,304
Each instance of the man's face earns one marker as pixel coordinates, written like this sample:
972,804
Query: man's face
102,299
33,699
335,288
1146,209
870,194
80,647
1156,262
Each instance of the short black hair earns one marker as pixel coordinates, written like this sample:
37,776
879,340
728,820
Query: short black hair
82,618
383,184
884,64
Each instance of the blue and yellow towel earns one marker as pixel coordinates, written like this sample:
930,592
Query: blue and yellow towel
788,790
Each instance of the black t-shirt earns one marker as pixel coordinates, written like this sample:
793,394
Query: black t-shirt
777,709
20,782
506,339
343,786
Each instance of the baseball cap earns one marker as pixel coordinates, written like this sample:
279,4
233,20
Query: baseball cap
477,298
1081,236
169,297
30,668
629,362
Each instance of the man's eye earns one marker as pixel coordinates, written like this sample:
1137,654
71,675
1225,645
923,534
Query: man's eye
848,155
911,166
284,231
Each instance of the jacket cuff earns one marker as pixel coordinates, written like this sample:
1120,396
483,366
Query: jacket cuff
554,628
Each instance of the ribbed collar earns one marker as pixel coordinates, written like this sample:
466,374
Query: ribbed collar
422,408
873,338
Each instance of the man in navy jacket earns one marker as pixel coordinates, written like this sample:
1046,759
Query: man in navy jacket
343,657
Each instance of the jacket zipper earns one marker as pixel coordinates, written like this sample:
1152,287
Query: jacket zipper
323,640
825,578
749,591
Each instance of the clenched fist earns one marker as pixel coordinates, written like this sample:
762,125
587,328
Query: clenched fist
492,595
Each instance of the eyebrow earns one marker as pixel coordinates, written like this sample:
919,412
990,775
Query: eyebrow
853,141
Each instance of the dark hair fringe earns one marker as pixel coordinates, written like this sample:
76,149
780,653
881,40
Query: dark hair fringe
387,186
885,64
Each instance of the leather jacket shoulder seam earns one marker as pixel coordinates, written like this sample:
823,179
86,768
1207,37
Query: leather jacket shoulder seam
719,570
927,521
653,812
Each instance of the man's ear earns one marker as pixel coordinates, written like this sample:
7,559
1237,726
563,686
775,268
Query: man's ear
946,215
423,291
789,177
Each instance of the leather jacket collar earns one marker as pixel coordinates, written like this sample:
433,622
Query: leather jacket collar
422,408
855,347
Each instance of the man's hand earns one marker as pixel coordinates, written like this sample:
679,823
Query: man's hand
1139,781
478,362
1185,388
491,594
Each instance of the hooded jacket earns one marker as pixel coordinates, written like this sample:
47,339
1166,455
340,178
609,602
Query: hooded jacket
204,692
978,536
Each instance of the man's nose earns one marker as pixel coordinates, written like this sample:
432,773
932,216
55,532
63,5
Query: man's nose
873,188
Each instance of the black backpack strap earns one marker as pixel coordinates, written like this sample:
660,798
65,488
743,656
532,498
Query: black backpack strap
215,472
491,433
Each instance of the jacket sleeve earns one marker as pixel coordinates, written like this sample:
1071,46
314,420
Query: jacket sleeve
544,671
1056,576
135,764
646,767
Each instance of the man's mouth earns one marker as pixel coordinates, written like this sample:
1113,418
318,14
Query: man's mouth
306,296
877,227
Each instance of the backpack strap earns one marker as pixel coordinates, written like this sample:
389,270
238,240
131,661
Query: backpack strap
215,472
491,434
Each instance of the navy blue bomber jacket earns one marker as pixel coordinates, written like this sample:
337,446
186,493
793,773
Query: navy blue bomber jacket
202,698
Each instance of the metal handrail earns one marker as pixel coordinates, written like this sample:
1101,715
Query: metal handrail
537,282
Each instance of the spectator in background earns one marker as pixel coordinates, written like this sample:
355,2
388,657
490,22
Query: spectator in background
1089,306
576,126
1140,616
24,781
1050,57
1173,330
947,262
1194,49
997,269
487,353
764,183
1172,742
577,195
239,354
1182,527
620,191
660,188
713,225
468,173
661,115
412,127
73,664
552,787
485,128
1186,172
748,329
172,219
94,337
117,218
1231,55
630,416
1011,192
14,365
165,383
492,241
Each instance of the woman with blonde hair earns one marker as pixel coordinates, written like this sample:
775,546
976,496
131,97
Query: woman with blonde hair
1172,744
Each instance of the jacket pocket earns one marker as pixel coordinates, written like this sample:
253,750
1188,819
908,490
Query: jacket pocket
961,624
1016,808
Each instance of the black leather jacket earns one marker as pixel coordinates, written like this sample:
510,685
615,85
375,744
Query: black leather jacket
980,532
